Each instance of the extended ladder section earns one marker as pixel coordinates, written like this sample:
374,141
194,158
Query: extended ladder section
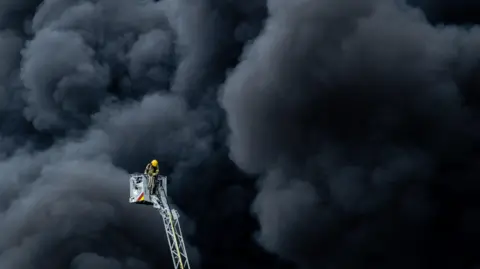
139,194
173,231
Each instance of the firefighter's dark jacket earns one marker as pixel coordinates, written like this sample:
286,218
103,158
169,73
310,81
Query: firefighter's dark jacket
150,170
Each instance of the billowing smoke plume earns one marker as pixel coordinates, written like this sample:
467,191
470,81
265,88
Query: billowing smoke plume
357,115
297,134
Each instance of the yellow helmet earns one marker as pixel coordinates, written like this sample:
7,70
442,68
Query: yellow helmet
154,163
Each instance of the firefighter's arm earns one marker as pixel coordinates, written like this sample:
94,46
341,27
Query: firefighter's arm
155,172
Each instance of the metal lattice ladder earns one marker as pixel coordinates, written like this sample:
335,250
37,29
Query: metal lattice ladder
172,228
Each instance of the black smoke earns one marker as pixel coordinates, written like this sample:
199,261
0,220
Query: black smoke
297,134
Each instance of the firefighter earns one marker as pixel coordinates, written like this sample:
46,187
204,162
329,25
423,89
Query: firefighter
152,172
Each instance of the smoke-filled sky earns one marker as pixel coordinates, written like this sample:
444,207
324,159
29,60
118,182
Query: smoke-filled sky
308,134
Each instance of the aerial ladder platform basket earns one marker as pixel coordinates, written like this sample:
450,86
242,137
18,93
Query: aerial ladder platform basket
140,194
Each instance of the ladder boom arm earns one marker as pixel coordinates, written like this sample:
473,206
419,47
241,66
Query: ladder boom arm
173,232
140,193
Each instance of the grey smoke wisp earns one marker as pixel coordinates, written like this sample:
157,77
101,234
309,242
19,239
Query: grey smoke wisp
297,134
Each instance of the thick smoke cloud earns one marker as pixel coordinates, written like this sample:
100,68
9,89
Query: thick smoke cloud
90,92
355,115
305,134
